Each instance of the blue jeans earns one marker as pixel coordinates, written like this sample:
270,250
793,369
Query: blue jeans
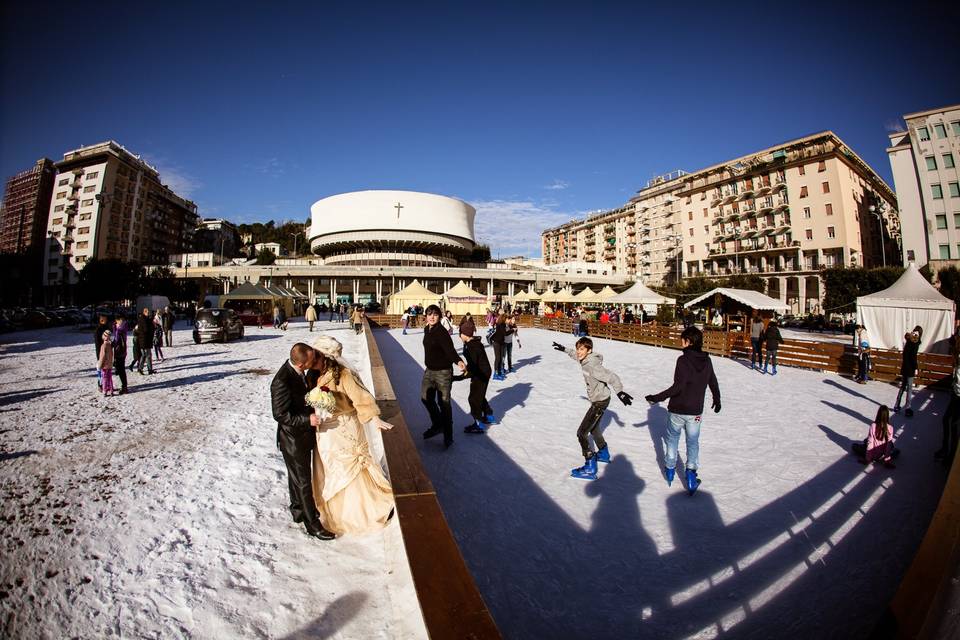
691,426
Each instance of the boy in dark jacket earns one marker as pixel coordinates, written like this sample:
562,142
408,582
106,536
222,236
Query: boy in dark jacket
692,376
774,340
478,370
439,355
599,381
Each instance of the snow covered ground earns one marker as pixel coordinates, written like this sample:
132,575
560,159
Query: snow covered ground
163,513
788,537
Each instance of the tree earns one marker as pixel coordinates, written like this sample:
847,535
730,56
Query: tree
109,280
842,285
480,253
266,257
949,278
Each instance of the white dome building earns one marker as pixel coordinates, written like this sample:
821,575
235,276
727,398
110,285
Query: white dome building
391,228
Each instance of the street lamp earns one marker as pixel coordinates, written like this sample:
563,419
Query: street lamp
298,233
877,210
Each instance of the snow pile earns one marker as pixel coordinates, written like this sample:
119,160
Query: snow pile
786,526
163,513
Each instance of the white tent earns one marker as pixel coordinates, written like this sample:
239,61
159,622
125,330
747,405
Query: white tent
413,294
462,299
908,302
640,293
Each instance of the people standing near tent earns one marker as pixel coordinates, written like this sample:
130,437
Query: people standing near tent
310,315
908,369
439,355
583,328
756,335
693,374
861,340
773,339
405,319
599,381
478,371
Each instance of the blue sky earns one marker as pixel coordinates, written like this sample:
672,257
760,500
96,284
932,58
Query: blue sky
534,112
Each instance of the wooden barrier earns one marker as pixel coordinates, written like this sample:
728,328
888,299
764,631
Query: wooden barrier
449,599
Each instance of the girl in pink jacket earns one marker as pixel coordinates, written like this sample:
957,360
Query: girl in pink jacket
106,364
880,440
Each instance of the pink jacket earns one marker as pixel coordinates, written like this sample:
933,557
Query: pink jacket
106,355
879,448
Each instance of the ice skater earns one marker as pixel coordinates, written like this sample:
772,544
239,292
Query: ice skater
693,374
599,381
908,369
879,445
479,371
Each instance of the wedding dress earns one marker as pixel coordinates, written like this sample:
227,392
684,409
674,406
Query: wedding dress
351,491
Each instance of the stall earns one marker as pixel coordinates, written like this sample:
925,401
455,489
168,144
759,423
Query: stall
252,302
411,295
462,299
731,309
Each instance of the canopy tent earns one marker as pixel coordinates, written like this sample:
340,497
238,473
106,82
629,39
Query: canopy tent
565,295
728,303
908,302
586,296
461,299
606,294
254,303
521,297
640,293
413,294
549,296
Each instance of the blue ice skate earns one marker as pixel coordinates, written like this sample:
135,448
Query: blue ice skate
588,471
671,474
476,427
692,481
489,419
603,454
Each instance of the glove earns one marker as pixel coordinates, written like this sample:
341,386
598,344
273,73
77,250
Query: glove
625,398
559,347
459,378
716,405
650,399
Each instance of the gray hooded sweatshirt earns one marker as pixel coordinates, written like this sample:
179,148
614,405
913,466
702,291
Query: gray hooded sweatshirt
598,379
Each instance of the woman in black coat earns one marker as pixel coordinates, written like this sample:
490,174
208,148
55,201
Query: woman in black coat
774,340
908,369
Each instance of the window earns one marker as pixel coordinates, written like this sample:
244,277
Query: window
87,203
85,216
806,212
937,191
691,230
53,261
941,221
940,130
59,207
954,189
911,256
809,234
956,127
91,176
83,231
689,215
89,189
705,214
831,232
80,259
689,199
57,221
829,209
944,252
691,248
703,195
61,194
822,166
931,163
948,161
825,186
803,191
82,244
956,221
63,182
923,133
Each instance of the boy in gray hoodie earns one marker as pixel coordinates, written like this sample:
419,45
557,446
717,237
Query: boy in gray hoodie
599,381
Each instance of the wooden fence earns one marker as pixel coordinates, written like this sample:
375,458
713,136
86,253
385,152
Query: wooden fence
834,357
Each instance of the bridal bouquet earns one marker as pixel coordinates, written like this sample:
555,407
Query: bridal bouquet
322,399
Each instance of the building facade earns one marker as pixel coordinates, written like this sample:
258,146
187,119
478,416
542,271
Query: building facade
784,213
217,236
26,202
924,163
109,203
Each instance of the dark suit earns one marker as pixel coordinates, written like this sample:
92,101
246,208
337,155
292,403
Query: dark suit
296,439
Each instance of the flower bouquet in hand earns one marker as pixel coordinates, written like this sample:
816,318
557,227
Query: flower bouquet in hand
322,400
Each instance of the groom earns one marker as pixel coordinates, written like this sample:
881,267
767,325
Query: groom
296,436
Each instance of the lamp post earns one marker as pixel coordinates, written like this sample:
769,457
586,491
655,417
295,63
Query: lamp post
877,210
298,233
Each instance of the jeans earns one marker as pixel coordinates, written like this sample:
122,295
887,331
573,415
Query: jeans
691,426
508,354
146,358
498,357
590,426
757,354
906,385
168,335
435,396
771,357
864,372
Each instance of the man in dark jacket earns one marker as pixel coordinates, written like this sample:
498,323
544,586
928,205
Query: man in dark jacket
478,370
144,335
439,356
773,339
102,325
692,376
908,369
296,436
168,318
120,351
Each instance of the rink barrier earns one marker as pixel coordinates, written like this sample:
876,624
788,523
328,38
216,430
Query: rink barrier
834,357
450,601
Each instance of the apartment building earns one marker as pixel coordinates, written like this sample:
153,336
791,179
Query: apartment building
784,213
924,161
109,203
26,201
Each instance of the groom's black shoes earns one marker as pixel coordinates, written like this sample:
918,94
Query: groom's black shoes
432,431
320,533
298,519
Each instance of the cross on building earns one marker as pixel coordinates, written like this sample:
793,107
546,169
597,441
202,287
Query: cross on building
398,206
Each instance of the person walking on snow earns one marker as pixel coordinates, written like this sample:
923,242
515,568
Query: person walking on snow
405,319
773,339
106,363
599,381
693,374
756,335
862,343
310,315
908,369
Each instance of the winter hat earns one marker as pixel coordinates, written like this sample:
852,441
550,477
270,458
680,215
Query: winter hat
106,334
331,348
467,329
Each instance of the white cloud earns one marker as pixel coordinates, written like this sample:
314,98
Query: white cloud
558,185
514,227
893,126
174,176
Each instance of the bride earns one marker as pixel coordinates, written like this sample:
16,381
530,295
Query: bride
351,491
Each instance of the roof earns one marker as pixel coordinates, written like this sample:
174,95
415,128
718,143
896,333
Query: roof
418,291
463,290
640,293
911,290
250,290
753,299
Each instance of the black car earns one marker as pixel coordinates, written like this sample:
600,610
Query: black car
217,325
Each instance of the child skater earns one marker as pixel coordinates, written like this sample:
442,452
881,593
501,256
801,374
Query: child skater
693,374
158,337
599,380
479,371
880,440
106,364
